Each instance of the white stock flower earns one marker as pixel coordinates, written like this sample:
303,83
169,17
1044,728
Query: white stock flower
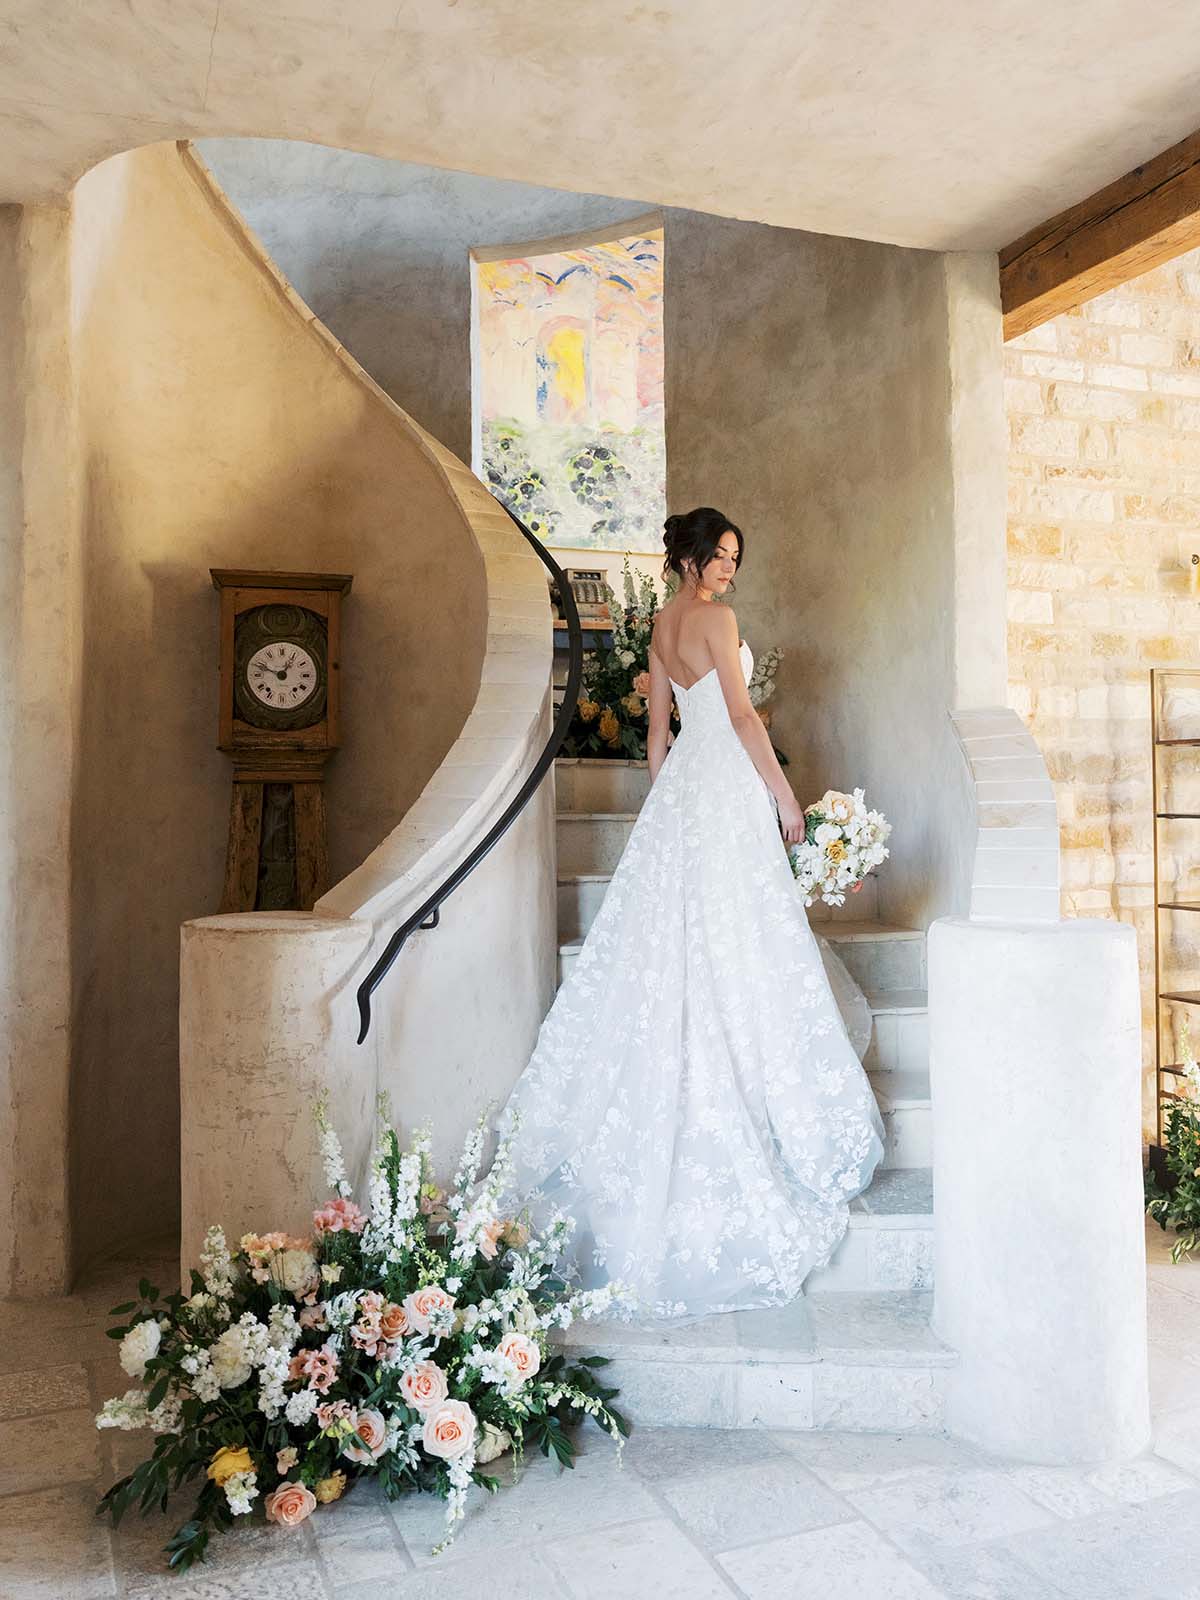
127,1413
300,1406
217,1264
140,1345
241,1491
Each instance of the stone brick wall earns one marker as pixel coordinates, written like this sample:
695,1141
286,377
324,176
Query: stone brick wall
1104,514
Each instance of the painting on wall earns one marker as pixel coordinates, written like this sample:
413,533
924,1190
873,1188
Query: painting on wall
570,376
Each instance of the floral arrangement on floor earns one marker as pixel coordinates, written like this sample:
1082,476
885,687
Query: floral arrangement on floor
611,715
408,1341
843,841
1175,1201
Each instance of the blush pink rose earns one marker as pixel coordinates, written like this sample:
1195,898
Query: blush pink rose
641,684
449,1430
393,1322
424,1386
489,1240
372,1430
290,1504
421,1302
339,1216
522,1352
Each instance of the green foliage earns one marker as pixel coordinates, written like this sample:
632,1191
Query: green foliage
1176,1204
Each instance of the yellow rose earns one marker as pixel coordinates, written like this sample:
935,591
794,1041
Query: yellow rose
330,1488
226,1462
610,728
634,704
589,710
836,850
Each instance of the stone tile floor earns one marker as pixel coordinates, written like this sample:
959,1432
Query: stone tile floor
691,1514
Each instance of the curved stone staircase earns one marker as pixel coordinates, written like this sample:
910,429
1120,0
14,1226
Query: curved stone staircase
856,1352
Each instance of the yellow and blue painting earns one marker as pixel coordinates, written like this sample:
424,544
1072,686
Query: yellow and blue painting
571,391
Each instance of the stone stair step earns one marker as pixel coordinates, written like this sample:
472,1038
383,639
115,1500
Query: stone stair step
580,896
900,1039
880,956
864,1361
592,841
584,783
906,1109
889,1243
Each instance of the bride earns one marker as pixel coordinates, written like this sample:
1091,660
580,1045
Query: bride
694,1099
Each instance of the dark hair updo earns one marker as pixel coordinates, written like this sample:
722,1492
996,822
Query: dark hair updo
694,536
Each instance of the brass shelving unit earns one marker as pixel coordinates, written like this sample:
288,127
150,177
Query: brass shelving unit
1166,1072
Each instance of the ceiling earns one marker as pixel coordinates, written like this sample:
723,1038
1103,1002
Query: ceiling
929,123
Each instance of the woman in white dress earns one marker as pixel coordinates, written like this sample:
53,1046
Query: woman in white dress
693,1098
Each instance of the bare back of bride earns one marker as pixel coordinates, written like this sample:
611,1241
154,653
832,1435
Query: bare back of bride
694,1099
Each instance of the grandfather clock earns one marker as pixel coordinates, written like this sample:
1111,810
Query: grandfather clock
280,673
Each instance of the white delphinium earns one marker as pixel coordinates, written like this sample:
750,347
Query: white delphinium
331,1153
241,1491
140,1345
495,1368
468,1165
217,1269
340,1312
459,1472
483,1211
584,1304
401,1441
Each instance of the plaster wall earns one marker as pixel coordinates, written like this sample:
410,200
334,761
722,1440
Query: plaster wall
214,429
815,391
39,722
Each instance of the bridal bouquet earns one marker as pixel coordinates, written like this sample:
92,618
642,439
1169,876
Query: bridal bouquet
842,842
408,1341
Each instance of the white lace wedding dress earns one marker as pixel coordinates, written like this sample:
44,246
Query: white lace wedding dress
693,1098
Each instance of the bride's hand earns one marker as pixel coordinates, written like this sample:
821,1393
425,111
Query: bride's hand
791,820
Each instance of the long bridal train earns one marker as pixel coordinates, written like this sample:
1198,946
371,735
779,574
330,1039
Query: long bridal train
693,1099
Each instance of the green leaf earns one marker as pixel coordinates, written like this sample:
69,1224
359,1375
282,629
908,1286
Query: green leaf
119,1311
158,1394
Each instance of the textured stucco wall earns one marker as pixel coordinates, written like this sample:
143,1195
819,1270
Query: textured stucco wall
216,429
809,395
380,251
39,719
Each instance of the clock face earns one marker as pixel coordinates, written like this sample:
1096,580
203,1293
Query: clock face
282,675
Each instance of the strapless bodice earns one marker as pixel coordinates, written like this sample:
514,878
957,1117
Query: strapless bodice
704,700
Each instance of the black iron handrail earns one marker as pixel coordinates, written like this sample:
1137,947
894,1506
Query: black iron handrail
427,915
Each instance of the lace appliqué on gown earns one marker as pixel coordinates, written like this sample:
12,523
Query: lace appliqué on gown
693,1098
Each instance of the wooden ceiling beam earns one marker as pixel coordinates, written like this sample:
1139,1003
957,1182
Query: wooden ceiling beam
1121,231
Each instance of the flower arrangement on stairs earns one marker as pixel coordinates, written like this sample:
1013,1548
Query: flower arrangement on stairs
408,1342
1174,1200
611,717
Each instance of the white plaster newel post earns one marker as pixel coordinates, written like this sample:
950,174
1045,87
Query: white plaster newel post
1035,1065
266,1027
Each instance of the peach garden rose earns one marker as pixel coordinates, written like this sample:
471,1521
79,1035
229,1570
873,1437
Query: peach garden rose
449,1430
424,1386
522,1352
421,1302
290,1504
372,1430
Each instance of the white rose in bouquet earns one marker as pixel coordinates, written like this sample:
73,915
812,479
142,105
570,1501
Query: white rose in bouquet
843,842
138,1346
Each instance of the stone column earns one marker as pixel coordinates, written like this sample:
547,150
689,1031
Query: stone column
1040,1254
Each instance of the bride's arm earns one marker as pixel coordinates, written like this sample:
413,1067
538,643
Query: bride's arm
747,724
661,696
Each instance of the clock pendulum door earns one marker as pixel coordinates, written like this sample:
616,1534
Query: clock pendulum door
280,669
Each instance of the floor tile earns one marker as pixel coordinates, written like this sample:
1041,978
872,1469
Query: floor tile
935,1509
900,1191
361,1550
547,1502
845,1461
662,1454
641,1561
1135,1481
1174,1319
1177,1439
1063,1490
295,1581
848,1562
723,1509
1129,1553
984,1573
46,1452
500,1575
52,1547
